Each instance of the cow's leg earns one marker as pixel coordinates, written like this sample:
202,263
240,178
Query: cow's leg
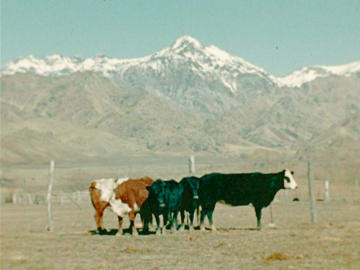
146,219
202,220
120,231
198,215
158,230
209,215
146,216
258,216
191,219
174,222
182,214
133,229
165,220
208,211
98,220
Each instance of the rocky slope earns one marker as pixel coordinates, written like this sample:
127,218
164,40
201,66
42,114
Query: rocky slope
186,98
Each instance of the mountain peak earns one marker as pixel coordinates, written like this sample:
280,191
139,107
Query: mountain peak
186,43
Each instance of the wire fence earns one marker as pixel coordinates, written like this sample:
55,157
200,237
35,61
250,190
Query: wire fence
343,180
57,198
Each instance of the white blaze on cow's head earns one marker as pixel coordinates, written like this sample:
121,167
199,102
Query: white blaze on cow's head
289,181
107,186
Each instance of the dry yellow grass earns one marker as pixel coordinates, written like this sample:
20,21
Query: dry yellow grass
293,243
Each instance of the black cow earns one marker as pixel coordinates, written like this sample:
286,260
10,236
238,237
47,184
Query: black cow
190,201
165,198
241,189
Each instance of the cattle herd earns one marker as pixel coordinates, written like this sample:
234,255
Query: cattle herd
167,198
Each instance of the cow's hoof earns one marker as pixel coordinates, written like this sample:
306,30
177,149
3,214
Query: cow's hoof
119,233
135,233
102,231
182,228
158,232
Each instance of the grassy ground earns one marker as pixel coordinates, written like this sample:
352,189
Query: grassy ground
294,243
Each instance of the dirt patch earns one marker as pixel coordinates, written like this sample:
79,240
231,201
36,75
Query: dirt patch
278,256
133,250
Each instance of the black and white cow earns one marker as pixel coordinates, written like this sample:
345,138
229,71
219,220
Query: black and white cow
190,201
241,189
165,198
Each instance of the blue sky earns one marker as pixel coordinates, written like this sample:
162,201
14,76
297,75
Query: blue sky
279,36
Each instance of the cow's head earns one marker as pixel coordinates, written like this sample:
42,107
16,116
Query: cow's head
289,181
107,186
192,184
157,193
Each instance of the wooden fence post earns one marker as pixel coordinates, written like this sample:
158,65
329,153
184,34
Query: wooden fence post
50,222
61,197
192,165
30,199
311,194
327,198
14,198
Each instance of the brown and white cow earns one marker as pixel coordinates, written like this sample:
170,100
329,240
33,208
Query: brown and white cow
133,194
124,196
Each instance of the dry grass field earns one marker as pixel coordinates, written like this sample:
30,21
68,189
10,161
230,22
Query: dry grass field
294,242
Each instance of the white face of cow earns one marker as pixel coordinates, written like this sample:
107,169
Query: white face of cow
107,186
289,181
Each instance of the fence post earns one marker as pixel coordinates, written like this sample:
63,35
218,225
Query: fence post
311,194
192,165
327,198
50,227
30,199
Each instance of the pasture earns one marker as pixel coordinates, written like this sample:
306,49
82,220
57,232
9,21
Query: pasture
294,243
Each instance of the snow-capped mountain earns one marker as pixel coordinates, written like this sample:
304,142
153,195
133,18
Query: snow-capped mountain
308,74
198,80
206,60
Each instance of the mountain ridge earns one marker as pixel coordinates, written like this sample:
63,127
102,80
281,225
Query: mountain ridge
185,98
185,46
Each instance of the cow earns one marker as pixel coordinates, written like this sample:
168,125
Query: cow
165,198
190,201
101,194
124,196
133,194
241,189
